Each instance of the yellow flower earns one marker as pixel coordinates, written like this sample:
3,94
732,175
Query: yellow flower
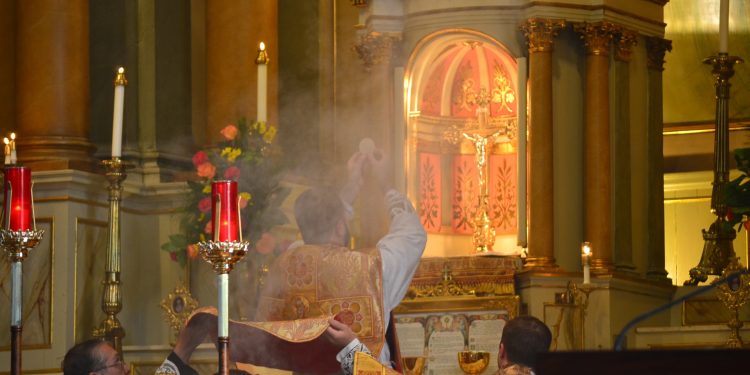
206,189
260,127
270,134
244,199
231,153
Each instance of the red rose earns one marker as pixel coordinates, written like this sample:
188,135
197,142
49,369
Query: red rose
199,158
173,256
209,228
232,173
205,204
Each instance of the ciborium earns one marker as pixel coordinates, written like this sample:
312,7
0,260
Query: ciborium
223,252
413,365
473,362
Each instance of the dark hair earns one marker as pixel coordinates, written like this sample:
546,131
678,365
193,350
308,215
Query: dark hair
317,211
524,338
83,358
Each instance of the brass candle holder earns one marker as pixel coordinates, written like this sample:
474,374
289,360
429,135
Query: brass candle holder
222,255
17,244
110,328
717,248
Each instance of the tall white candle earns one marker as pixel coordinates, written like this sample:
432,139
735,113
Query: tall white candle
521,90
16,300
7,150
724,26
120,83
262,62
13,154
223,280
586,260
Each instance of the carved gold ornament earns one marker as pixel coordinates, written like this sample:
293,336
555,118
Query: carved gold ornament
540,33
177,306
596,36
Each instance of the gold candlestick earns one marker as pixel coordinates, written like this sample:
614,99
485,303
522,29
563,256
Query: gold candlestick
17,244
717,248
222,255
473,362
110,328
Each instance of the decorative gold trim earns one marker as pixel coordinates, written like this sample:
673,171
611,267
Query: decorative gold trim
511,304
178,305
656,48
597,9
377,48
596,36
120,77
624,42
540,33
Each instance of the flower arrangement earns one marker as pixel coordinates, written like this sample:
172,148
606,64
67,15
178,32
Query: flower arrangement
247,155
737,192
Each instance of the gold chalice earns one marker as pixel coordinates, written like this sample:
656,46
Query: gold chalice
413,365
473,362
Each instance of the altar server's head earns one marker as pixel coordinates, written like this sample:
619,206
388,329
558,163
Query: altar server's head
321,217
93,356
523,339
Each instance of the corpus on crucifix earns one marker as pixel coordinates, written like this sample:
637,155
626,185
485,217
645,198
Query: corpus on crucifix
482,133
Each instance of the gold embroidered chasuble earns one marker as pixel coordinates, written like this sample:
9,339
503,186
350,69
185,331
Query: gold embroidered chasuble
312,281
304,288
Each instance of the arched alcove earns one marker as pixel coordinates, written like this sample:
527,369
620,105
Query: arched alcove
446,73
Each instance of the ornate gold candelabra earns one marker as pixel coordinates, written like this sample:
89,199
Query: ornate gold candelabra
17,244
110,328
717,248
222,255
734,293
482,136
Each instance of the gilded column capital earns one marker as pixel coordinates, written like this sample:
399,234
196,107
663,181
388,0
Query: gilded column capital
540,33
624,42
376,48
596,36
656,48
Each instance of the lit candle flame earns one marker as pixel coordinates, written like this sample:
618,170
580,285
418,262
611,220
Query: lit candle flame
262,46
6,140
586,248
121,70
13,136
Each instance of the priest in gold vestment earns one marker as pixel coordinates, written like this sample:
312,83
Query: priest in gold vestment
323,277
319,283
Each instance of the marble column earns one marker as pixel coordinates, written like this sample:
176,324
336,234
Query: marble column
233,31
656,48
540,35
623,242
597,171
52,84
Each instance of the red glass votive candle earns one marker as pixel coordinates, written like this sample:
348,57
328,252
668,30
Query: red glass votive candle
225,200
17,208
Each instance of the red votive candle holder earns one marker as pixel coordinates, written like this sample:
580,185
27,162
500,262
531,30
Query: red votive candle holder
225,200
17,208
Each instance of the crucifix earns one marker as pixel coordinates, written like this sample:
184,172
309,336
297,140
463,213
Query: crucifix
482,133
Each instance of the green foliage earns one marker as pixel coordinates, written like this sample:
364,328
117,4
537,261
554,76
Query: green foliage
247,155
